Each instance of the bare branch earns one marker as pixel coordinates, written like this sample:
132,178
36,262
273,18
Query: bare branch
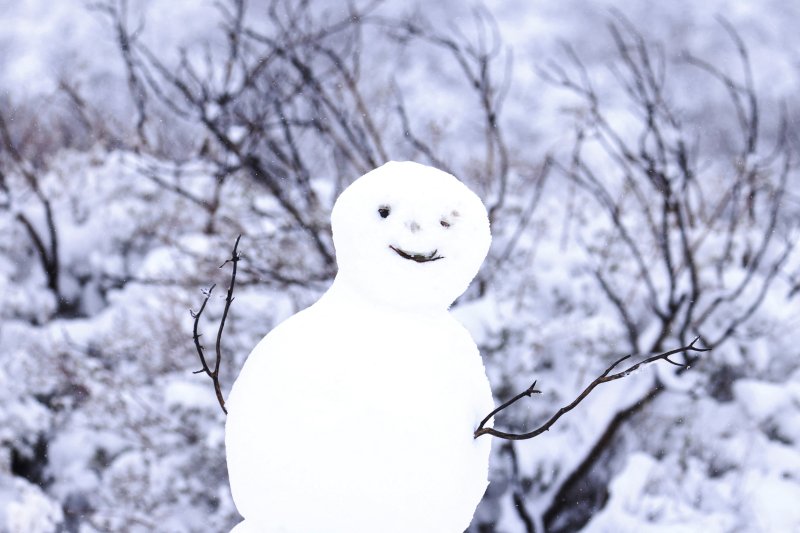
196,336
475,56
621,307
117,11
47,249
518,491
206,368
526,215
605,377
415,141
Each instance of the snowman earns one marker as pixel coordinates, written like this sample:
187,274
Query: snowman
356,415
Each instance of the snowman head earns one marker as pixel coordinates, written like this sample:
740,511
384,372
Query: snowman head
410,236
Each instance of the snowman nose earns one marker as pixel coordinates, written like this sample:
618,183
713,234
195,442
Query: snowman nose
413,226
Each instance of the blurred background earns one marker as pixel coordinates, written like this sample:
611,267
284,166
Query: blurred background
639,161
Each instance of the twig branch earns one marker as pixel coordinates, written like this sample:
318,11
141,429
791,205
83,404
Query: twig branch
605,377
214,374
46,242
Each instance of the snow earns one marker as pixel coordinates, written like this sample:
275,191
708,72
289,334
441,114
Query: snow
30,510
188,395
774,502
762,400
109,388
343,403
632,497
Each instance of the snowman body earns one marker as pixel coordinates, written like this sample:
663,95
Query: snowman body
357,414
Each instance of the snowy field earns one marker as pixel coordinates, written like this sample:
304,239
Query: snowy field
639,165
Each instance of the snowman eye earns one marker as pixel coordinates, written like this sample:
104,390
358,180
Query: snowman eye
384,211
444,223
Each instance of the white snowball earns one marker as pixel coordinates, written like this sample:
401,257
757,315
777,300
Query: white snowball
356,415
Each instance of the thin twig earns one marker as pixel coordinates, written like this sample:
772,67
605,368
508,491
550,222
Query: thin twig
526,393
605,377
206,368
196,336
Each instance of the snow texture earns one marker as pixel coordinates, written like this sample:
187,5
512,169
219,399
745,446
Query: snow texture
366,402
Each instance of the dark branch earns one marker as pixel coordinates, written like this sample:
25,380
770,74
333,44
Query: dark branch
605,377
206,368
196,315
526,393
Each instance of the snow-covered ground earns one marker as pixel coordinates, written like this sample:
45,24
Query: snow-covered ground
103,426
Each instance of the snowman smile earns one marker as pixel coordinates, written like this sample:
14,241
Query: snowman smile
419,258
